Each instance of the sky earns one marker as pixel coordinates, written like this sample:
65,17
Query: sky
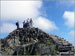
55,17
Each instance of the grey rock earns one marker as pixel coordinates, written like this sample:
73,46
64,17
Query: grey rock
32,41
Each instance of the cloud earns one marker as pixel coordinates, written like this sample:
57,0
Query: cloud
45,24
7,27
72,33
19,10
69,18
40,22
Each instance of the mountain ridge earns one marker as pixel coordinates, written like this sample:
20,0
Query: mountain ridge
32,41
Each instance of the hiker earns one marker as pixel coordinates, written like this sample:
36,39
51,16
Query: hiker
17,24
31,22
24,24
27,23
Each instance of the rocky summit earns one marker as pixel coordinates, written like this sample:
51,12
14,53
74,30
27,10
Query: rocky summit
33,41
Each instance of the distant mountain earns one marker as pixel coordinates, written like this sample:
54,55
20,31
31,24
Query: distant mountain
33,41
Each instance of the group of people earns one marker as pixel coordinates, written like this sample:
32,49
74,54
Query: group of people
28,23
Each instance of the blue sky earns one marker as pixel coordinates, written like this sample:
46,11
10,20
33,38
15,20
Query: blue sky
55,11
55,17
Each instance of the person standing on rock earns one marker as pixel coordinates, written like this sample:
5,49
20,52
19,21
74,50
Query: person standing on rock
17,24
31,22
24,24
27,22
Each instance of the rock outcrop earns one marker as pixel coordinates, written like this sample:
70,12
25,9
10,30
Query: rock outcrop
33,41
